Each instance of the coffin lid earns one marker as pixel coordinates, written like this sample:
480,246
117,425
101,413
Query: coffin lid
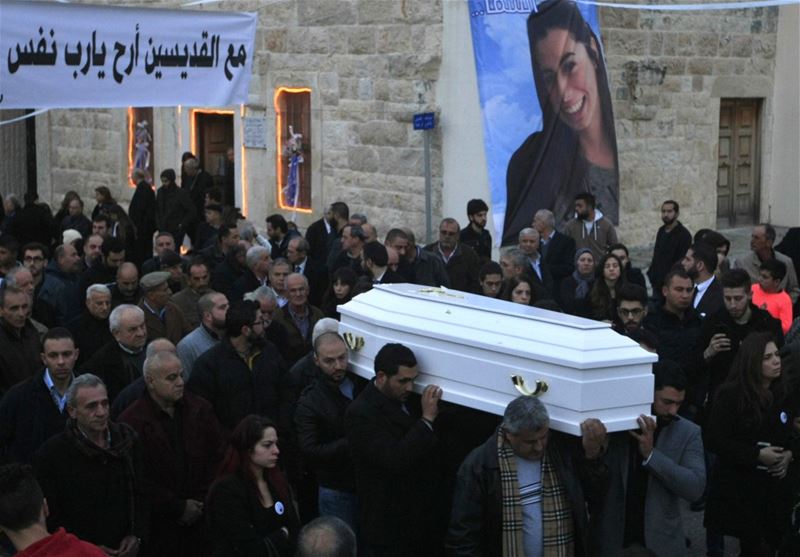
496,325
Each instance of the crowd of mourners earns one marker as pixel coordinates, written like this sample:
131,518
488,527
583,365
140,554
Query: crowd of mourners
173,383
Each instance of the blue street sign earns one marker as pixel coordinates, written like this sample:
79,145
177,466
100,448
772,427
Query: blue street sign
424,121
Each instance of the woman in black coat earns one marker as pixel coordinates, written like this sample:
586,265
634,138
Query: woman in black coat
142,212
250,510
606,288
750,432
575,289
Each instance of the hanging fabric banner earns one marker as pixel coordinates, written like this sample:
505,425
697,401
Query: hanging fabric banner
84,56
546,109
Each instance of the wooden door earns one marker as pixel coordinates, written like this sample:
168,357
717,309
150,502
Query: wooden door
214,139
738,169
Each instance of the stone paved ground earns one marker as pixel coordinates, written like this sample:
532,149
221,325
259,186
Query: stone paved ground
693,521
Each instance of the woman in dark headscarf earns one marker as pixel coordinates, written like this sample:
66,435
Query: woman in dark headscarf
576,151
576,288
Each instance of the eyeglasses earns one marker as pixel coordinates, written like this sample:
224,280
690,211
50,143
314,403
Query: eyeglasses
33,259
635,312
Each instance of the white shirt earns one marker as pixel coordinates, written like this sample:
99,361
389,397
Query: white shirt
701,290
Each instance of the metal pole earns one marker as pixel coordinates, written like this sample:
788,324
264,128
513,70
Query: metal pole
428,188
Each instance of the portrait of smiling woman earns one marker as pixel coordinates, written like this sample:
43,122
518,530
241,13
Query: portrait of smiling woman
576,150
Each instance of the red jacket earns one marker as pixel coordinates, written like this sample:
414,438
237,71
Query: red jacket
61,544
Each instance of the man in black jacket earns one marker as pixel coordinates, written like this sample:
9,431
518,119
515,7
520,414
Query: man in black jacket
396,453
91,474
319,422
243,374
722,334
460,261
700,262
19,340
91,330
119,362
142,212
557,249
35,410
475,234
672,241
539,463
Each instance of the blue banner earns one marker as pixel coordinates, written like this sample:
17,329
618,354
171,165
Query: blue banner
513,119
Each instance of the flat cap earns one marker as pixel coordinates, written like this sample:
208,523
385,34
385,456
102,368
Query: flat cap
154,279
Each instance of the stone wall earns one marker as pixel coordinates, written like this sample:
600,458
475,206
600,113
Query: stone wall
667,73
371,64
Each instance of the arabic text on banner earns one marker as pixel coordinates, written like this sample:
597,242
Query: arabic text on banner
84,56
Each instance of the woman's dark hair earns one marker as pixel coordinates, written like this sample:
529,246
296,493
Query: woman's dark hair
345,275
105,193
169,174
556,167
603,303
510,284
237,460
69,197
745,377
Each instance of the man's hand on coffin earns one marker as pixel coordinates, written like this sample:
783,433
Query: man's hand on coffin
594,438
430,402
645,435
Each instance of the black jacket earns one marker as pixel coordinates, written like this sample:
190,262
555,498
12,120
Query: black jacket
90,335
318,237
28,418
95,494
476,524
225,274
235,390
712,301
247,282
670,248
116,368
462,267
558,255
20,354
175,211
142,212
398,471
321,436
481,242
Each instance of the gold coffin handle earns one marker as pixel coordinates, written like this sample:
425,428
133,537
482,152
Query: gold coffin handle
354,343
519,384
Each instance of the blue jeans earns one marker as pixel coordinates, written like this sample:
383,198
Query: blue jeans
341,504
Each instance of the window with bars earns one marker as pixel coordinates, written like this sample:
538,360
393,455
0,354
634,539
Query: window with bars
293,136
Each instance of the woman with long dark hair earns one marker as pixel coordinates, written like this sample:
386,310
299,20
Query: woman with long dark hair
250,508
105,201
519,290
606,287
750,432
576,150
339,292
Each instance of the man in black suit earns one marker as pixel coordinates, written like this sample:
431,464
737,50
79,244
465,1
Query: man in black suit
321,233
297,253
395,451
529,245
700,262
558,250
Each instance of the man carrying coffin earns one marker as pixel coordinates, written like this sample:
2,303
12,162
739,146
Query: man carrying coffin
396,452
524,491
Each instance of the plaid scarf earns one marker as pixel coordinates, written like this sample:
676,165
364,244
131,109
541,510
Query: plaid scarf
558,528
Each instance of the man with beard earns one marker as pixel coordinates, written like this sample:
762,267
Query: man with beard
212,308
475,235
652,469
590,229
672,241
196,286
631,309
92,250
700,262
91,330
243,374
319,422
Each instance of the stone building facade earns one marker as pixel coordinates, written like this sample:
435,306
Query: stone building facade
371,64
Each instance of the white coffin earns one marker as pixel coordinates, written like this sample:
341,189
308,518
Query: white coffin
472,346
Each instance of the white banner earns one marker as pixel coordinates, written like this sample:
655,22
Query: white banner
84,56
